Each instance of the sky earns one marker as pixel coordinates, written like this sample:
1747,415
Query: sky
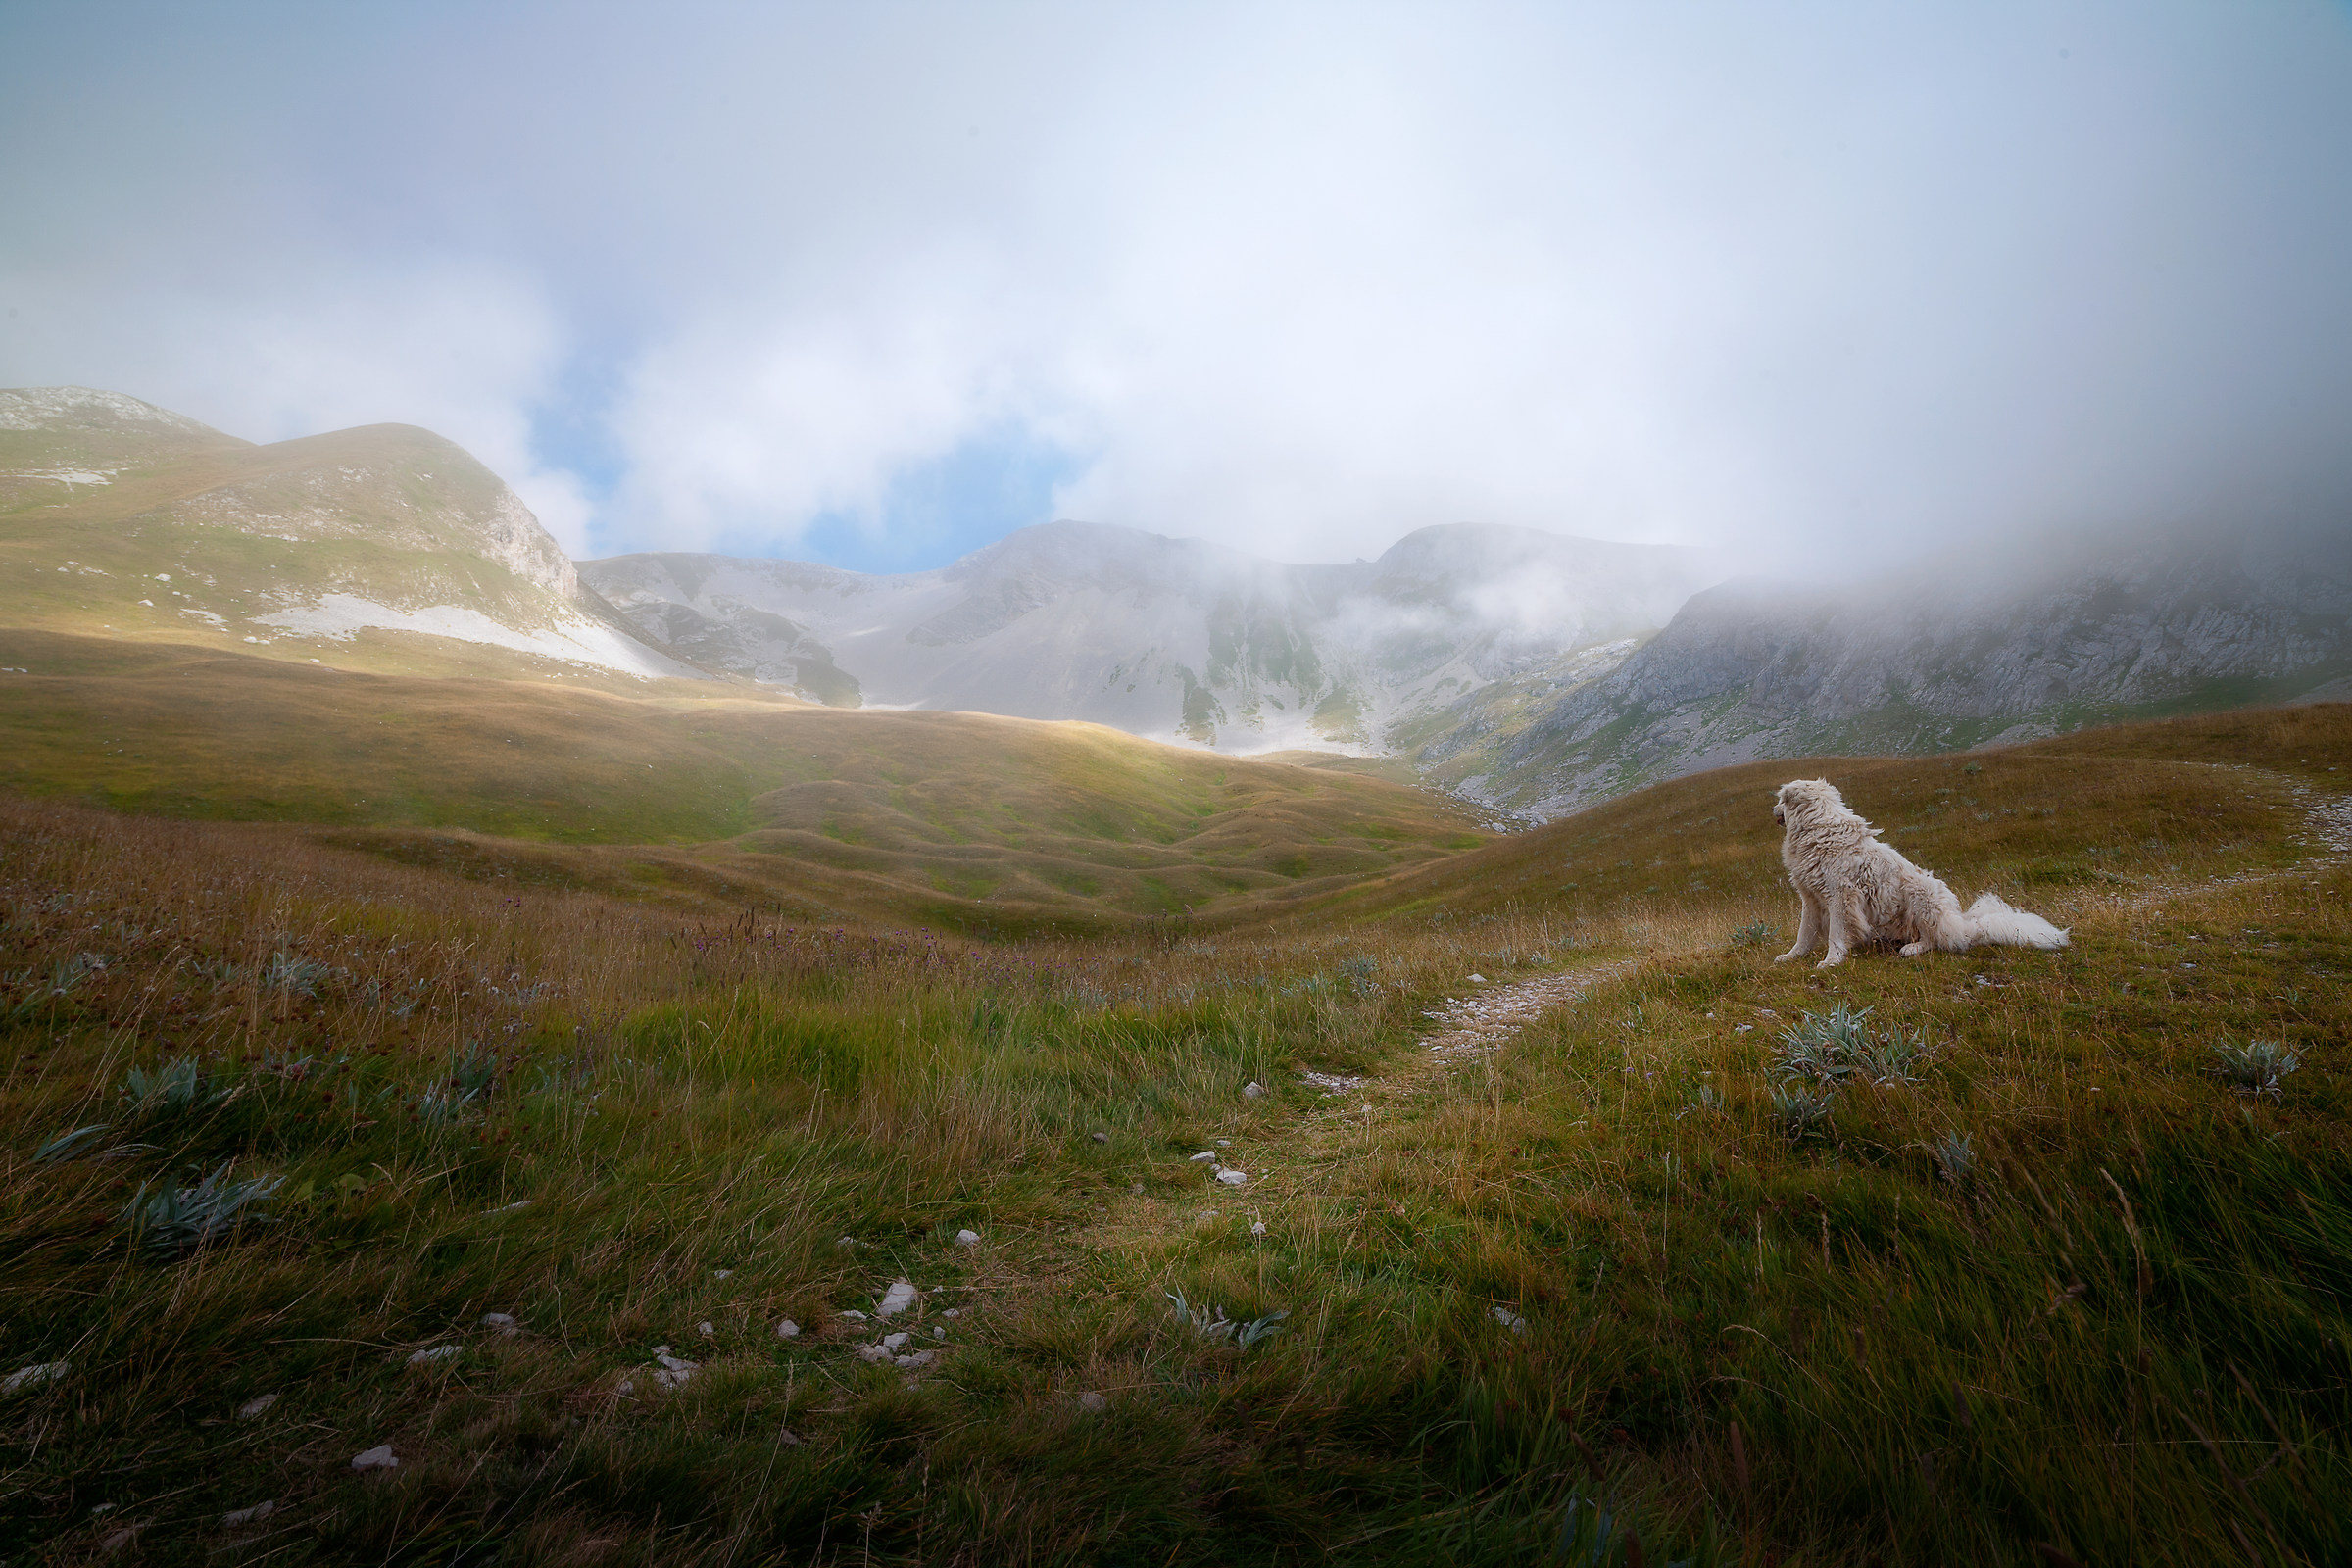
1817,286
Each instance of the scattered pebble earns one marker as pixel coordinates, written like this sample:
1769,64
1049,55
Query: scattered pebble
787,1329
1510,1319
708,1331
433,1353
1233,1178
1206,1154
854,1315
118,1540
1257,1227
844,1242
790,1439
1331,1082
239,1517
967,1238
626,1388
1252,1091
1137,1188
674,1370
1093,1401
1224,1142
952,1311
721,1273
256,1406
938,1333
898,1299
916,1358
383,1459
893,1342
33,1376
873,1352
1477,979
500,1322
1102,1138
509,1208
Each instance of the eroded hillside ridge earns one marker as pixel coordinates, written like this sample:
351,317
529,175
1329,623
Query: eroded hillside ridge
1921,664
1169,638
128,519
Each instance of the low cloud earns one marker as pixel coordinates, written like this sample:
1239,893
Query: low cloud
1825,286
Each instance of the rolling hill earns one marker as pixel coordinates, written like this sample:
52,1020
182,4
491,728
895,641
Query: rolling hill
964,820
381,548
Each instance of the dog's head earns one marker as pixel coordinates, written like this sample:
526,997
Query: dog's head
1803,799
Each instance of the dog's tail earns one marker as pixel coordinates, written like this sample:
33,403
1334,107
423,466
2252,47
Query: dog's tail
1991,921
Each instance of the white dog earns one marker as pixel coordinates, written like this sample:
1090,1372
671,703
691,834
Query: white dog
1855,889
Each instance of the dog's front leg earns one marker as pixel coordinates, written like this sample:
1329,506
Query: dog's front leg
1839,928
1808,925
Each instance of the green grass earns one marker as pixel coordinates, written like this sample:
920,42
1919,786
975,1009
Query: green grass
2121,1335
959,818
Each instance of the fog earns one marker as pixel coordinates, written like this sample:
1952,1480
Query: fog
1817,287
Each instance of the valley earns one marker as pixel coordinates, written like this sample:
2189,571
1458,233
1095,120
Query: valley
517,1061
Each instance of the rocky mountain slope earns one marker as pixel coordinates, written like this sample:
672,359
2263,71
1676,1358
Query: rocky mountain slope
1171,638
384,547
1950,656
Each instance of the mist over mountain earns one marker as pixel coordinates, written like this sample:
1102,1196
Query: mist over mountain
1171,638
2010,646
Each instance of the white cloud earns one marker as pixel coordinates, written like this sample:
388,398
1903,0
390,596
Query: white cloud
1295,279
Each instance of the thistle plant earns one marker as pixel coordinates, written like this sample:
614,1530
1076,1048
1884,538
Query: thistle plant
2257,1066
178,1219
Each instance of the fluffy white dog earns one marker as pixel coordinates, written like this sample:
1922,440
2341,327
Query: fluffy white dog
1855,889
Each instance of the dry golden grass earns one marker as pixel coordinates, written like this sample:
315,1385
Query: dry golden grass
2118,1334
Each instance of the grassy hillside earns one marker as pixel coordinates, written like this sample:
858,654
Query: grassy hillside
963,819
178,534
2043,1284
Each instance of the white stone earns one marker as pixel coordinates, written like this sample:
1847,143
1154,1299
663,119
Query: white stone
500,1322
244,1516
256,1406
952,1311
898,1299
1257,1227
967,1238
790,1439
1206,1154
33,1376
787,1329
917,1359
381,1459
1251,1091
672,1377
938,1333
721,1273
1477,979
433,1353
1509,1319
1232,1178
1102,1138
626,1386
873,1352
854,1315
672,1362
1091,1401
1224,1142
708,1330
893,1342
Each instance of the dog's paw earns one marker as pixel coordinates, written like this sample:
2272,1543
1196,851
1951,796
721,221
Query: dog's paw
1783,957
1831,962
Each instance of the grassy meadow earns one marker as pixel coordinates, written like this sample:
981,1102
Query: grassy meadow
2022,1267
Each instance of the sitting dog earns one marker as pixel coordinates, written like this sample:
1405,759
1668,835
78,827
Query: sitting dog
1855,889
